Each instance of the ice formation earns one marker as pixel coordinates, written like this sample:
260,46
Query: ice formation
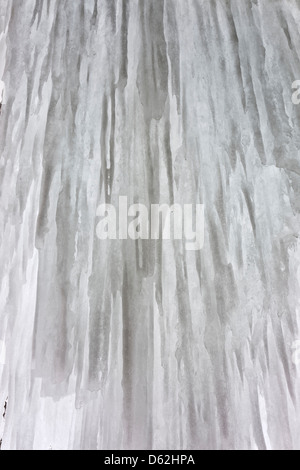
124,344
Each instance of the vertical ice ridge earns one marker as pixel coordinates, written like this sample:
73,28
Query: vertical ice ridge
153,66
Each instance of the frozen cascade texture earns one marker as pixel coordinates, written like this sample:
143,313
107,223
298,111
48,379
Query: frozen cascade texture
123,344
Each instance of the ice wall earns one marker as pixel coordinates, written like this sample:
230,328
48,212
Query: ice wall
127,345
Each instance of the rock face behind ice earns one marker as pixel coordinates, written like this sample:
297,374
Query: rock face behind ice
119,344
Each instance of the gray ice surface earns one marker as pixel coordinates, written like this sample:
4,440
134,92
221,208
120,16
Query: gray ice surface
130,345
